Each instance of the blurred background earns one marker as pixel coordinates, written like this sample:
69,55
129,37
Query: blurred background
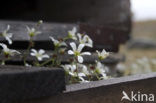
140,51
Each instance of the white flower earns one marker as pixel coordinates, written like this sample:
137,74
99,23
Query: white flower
80,75
83,73
83,69
7,35
102,55
100,70
8,52
32,32
58,43
85,40
39,54
28,65
70,69
77,51
72,34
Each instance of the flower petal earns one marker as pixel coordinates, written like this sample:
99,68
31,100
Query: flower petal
63,44
41,51
70,52
73,45
81,75
9,40
3,46
39,58
34,51
86,53
15,51
8,28
80,59
80,47
32,54
45,56
79,36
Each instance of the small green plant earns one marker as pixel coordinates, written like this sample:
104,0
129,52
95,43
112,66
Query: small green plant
76,70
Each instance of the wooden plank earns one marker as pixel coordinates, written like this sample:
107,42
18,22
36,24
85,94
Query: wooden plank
18,28
113,58
104,91
103,37
114,13
23,83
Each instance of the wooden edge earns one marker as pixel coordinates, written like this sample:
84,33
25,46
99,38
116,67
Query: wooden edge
105,91
113,81
19,83
11,69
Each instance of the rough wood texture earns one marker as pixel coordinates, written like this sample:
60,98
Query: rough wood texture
23,83
111,12
105,91
113,58
108,38
105,35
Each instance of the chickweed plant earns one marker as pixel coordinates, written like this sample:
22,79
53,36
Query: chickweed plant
76,71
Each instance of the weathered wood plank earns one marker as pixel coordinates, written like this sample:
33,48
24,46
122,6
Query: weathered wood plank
103,37
113,58
105,91
18,28
23,83
115,13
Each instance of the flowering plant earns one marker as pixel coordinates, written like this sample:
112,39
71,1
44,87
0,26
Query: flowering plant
76,70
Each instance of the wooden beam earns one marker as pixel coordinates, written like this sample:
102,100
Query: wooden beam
24,83
104,91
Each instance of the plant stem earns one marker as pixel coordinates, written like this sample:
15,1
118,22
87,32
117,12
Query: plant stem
46,62
27,51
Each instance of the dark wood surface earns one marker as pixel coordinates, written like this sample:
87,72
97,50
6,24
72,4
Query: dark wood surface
103,37
23,83
104,91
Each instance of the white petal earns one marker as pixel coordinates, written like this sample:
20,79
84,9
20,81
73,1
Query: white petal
3,46
81,75
73,45
80,47
71,73
86,53
32,54
45,56
63,44
89,45
9,40
54,40
15,51
98,52
74,30
9,35
8,28
79,36
70,52
41,51
39,58
83,80
34,51
104,76
80,59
